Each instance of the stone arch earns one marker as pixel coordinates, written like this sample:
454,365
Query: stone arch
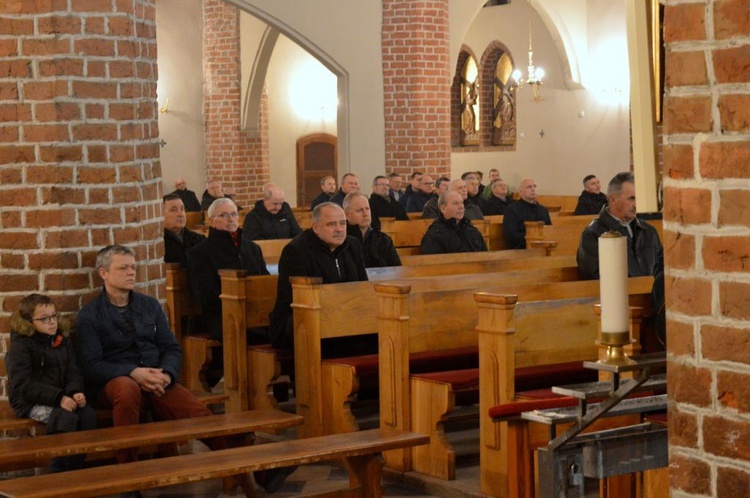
261,65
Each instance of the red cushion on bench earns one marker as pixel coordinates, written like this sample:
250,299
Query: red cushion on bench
460,380
366,366
517,407
543,376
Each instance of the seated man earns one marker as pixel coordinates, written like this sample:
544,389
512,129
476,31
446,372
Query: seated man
645,252
177,239
214,191
414,181
471,211
430,210
377,247
383,204
473,190
591,200
328,187
224,249
526,209
451,232
271,218
424,192
494,175
499,199
349,183
130,359
189,199
321,251
394,187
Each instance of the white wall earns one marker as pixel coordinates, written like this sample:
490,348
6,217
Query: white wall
285,125
572,146
179,56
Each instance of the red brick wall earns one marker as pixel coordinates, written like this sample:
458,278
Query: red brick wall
79,162
417,78
239,160
707,244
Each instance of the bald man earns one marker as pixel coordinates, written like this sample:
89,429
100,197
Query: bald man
526,209
271,218
189,199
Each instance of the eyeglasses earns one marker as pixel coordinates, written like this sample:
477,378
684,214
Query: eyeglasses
45,319
233,214
381,184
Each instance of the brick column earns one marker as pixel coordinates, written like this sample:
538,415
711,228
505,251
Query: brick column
707,243
238,159
79,160
417,81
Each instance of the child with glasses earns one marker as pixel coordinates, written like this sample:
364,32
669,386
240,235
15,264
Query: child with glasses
44,382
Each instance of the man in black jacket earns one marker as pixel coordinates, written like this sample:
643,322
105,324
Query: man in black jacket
328,187
271,218
499,200
223,249
215,190
425,191
189,199
378,249
349,183
526,209
383,204
178,240
321,251
451,231
591,200
645,252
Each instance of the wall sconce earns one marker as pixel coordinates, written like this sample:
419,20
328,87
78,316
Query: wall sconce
535,75
165,109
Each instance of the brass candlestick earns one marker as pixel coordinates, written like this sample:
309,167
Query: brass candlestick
615,342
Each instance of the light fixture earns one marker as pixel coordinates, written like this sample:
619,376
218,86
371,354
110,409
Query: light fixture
534,77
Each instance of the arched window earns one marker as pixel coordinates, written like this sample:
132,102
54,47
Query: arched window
470,102
498,102
504,104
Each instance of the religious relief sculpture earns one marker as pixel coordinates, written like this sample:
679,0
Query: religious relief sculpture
504,105
469,103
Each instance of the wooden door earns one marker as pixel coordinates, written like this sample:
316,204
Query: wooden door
316,158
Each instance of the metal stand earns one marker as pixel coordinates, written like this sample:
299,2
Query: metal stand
571,457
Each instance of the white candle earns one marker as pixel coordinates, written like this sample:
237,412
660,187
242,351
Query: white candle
613,282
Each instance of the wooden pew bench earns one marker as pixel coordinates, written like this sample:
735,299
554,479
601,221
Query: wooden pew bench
343,310
361,451
514,336
37,451
247,302
412,322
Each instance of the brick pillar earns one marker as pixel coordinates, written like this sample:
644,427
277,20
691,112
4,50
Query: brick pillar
707,243
238,159
417,81
79,160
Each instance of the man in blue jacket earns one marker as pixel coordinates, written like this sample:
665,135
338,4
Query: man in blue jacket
129,357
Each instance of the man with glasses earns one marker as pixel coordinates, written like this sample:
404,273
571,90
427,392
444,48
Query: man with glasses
271,218
424,193
383,204
224,249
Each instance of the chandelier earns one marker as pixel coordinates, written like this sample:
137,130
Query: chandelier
534,76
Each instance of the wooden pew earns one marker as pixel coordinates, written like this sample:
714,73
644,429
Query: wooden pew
361,452
558,202
411,321
303,215
38,451
272,249
248,301
339,310
193,219
511,337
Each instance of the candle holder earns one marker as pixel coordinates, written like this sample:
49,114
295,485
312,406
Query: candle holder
615,354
